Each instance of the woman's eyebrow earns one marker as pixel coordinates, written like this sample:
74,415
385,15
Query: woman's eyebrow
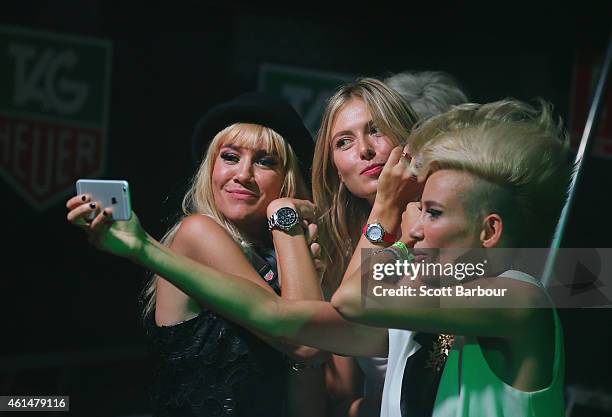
264,152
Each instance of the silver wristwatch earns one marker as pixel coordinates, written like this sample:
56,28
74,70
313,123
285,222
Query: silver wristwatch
285,219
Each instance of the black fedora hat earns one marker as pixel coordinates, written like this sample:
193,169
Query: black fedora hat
257,108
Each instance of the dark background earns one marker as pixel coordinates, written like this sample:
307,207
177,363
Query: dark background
70,314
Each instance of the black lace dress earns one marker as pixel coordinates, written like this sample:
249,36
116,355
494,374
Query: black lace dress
211,367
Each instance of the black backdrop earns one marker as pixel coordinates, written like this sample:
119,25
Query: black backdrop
70,314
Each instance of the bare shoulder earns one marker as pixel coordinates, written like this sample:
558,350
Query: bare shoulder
198,232
202,239
523,290
197,226
523,302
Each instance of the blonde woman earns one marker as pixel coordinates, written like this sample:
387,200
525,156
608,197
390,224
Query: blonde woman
496,177
363,121
482,164
248,152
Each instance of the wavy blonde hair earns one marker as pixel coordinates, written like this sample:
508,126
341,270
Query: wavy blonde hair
518,151
342,215
199,197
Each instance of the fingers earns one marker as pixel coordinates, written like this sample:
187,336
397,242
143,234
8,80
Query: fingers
319,264
312,233
398,163
320,267
102,219
415,205
100,226
306,210
399,156
77,200
405,160
410,217
406,153
80,215
395,155
315,250
394,158
412,212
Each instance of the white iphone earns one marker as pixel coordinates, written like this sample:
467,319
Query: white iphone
109,193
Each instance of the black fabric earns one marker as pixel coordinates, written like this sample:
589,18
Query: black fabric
210,367
264,262
420,382
257,108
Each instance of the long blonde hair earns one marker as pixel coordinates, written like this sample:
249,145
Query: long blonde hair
199,197
341,215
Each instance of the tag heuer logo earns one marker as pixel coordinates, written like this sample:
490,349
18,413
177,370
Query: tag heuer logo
53,111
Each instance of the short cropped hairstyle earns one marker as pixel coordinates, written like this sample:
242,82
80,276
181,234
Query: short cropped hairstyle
428,92
519,152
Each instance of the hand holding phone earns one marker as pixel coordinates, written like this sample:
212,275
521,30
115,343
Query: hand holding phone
109,193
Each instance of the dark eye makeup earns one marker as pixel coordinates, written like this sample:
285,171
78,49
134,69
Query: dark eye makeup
433,213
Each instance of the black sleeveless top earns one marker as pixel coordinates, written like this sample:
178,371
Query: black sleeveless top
211,367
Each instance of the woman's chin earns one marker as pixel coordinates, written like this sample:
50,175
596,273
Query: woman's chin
247,219
366,194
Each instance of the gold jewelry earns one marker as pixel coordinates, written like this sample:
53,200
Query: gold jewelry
439,351
298,366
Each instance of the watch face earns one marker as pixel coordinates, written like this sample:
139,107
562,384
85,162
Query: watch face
286,217
374,233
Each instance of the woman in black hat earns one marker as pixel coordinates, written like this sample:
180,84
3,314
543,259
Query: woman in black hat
505,360
249,152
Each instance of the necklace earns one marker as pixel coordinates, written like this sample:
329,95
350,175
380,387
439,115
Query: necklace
439,351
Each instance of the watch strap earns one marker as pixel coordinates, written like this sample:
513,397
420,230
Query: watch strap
389,237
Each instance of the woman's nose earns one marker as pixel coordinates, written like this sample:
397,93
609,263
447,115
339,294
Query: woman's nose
244,170
366,148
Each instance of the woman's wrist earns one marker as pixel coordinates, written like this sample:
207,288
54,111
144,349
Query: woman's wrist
143,249
403,250
389,217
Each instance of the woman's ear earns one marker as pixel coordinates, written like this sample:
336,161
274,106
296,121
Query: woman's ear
492,230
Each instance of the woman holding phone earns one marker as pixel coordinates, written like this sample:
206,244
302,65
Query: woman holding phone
470,199
250,151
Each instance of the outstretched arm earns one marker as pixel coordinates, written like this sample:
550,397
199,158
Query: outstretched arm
459,315
312,323
457,310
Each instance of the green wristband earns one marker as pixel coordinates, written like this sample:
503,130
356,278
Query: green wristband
403,249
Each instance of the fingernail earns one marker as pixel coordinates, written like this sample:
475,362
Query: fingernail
92,205
83,198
